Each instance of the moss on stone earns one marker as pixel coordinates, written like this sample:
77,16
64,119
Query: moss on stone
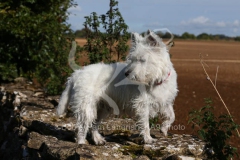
137,150
122,132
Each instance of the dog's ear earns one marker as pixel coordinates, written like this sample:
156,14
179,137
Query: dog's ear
133,41
170,45
151,39
148,32
133,38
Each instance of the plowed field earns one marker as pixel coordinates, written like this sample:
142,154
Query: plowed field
193,83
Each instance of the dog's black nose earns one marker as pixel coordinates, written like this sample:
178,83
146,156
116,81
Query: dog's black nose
127,73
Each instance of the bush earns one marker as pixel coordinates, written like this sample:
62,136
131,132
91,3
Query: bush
216,131
35,40
101,46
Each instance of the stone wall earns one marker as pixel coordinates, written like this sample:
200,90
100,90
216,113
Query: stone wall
29,129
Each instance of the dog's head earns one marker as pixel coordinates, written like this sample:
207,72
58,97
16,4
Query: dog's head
148,59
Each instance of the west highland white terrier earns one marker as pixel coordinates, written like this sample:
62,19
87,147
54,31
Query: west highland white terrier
142,87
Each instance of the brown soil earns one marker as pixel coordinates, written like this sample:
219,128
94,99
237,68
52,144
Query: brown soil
193,84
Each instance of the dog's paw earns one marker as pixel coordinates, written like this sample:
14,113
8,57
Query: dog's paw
100,142
98,139
149,140
82,141
164,130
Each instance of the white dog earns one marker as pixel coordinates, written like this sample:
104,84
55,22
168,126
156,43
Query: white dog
142,87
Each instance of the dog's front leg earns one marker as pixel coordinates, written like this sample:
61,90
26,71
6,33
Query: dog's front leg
143,123
146,135
169,116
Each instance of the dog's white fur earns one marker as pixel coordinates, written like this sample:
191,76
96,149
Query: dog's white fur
150,88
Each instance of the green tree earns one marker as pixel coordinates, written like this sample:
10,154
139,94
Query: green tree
82,33
237,38
204,36
187,35
33,39
101,46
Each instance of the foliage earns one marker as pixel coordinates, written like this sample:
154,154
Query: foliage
33,40
82,33
215,130
153,121
187,35
237,38
205,36
7,75
102,45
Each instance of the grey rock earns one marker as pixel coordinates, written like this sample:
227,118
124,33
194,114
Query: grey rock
52,148
20,80
142,157
39,94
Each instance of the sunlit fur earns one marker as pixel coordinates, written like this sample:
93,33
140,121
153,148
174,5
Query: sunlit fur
144,87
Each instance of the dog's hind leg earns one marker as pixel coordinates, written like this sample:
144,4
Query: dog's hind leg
96,136
169,117
82,132
85,117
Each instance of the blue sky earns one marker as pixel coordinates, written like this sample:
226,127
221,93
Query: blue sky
179,16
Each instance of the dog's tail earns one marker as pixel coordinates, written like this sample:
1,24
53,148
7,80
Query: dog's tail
71,57
65,98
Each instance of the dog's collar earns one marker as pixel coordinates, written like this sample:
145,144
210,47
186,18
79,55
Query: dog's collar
159,83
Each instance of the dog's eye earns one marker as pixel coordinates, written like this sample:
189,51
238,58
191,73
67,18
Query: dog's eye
142,60
128,61
134,59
